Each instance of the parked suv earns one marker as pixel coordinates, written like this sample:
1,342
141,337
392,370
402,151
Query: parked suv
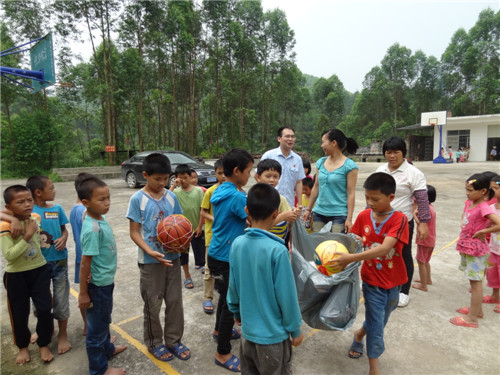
131,170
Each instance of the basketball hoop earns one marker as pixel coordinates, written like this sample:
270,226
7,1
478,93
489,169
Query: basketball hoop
432,124
64,84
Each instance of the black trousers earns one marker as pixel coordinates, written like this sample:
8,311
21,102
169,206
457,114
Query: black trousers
224,318
21,286
407,257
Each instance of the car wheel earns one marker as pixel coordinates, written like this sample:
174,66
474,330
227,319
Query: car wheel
132,180
171,180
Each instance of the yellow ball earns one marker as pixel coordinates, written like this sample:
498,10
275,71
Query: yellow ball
324,253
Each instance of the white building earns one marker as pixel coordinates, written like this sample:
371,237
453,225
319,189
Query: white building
479,133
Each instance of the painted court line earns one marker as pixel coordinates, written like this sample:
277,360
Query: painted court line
162,366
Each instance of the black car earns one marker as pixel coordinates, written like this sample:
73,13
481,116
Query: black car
132,168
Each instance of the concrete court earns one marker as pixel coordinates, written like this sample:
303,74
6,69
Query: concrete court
419,339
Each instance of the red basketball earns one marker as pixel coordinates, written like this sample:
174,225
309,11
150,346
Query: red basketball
175,233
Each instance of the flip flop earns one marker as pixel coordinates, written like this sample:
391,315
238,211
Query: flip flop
497,309
188,283
488,299
178,350
208,306
235,335
356,347
460,321
465,311
159,351
231,364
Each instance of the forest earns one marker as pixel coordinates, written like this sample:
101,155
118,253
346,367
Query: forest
206,76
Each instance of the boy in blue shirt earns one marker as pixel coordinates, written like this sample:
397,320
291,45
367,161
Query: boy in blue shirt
53,237
99,261
160,278
228,203
262,289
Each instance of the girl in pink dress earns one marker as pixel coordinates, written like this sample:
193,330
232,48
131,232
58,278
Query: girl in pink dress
426,247
472,245
493,270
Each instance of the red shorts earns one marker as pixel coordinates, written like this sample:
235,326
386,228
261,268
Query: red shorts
424,253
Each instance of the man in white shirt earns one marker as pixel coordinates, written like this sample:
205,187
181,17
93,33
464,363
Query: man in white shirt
292,170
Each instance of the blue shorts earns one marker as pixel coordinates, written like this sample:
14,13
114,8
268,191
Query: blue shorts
338,222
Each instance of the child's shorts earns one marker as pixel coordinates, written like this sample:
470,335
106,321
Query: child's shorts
493,271
474,267
424,253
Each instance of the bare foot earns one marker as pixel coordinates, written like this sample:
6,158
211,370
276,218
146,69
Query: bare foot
45,354
23,356
115,371
429,282
119,349
419,286
34,338
112,339
63,345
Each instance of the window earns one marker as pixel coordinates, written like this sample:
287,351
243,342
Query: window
458,139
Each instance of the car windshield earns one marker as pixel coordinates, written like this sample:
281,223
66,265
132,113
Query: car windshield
180,159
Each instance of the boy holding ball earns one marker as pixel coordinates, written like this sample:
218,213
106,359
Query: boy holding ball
383,232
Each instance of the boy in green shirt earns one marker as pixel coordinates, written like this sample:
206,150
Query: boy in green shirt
26,275
190,198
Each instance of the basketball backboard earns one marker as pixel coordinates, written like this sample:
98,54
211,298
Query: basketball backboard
433,118
42,59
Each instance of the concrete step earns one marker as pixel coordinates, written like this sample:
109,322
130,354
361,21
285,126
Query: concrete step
69,174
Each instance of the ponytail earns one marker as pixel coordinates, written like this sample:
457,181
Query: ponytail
346,145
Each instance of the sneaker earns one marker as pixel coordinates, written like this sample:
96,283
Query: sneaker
404,300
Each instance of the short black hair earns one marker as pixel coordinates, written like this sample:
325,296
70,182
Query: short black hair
156,163
36,183
82,176
496,180
87,187
236,158
431,193
308,181
9,192
394,144
268,165
262,201
382,182
218,164
280,130
306,164
490,174
182,169
481,181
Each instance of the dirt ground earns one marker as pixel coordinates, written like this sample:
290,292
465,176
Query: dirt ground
419,338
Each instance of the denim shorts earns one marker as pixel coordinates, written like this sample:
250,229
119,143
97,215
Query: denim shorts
379,303
60,288
319,221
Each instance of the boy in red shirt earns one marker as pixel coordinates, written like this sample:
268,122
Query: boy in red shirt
383,232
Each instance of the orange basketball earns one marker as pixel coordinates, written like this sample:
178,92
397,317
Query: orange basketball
175,233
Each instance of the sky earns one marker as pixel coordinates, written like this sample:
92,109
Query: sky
349,38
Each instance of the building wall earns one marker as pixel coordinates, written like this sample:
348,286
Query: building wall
478,126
